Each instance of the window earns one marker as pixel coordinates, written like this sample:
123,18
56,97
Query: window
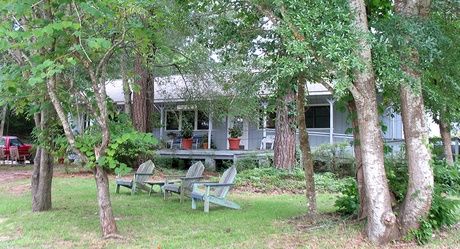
172,120
15,142
271,120
203,121
317,117
199,120
2,142
188,117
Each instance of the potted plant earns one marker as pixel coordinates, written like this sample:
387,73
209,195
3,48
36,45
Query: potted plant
187,133
234,139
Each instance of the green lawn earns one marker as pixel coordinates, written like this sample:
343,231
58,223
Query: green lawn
145,222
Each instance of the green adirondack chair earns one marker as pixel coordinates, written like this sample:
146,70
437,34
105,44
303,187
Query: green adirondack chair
215,192
183,186
142,174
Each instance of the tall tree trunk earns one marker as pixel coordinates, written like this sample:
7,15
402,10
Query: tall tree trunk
362,212
444,130
417,202
307,159
3,119
285,136
381,221
107,220
141,100
126,88
42,174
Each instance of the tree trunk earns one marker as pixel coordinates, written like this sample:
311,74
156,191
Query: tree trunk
417,202
362,212
285,136
141,102
42,174
307,159
444,129
107,220
3,119
381,221
126,88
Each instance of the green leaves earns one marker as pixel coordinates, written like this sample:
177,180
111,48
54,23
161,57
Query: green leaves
98,44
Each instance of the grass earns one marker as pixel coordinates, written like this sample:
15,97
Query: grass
265,221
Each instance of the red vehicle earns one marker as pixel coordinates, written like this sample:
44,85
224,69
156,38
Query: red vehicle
24,149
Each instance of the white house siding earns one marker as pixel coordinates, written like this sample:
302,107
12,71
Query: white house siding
317,136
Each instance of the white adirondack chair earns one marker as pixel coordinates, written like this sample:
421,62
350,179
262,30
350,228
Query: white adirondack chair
183,186
215,192
142,174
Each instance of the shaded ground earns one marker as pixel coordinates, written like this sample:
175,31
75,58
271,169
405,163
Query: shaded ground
266,220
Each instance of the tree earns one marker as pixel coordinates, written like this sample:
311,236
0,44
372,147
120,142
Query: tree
20,62
381,225
72,37
307,159
143,99
3,118
285,131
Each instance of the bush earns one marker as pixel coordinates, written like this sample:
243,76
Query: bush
252,162
334,158
348,202
270,179
443,208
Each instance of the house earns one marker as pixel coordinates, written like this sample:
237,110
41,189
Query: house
325,122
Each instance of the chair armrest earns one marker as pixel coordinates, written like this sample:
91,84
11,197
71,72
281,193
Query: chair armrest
218,184
143,174
191,178
196,184
173,176
202,183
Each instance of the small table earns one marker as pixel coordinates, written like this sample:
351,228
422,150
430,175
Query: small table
158,183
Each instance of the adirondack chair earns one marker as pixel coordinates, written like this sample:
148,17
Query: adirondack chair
184,186
215,193
142,174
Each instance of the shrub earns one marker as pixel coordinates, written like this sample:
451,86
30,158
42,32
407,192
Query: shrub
348,202
334,158
253,161
443,209
269,179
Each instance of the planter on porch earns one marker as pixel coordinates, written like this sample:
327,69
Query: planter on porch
234,139
187,133
234,143
187,143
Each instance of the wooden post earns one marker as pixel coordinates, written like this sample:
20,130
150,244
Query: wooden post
162,121
331,120
209,131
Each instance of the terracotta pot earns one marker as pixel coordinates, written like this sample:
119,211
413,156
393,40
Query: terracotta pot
187,143
205,146
234,143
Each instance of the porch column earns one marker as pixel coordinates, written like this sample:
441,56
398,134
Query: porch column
162,121
456,148
264,120
331,120
209,131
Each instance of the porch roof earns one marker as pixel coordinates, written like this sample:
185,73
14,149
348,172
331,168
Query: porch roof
175,88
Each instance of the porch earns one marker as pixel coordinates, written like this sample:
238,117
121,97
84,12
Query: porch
211,155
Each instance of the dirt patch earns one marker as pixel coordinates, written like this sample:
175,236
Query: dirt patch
19,189
13,175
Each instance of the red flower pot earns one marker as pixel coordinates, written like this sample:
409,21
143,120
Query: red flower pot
187,143
234,143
